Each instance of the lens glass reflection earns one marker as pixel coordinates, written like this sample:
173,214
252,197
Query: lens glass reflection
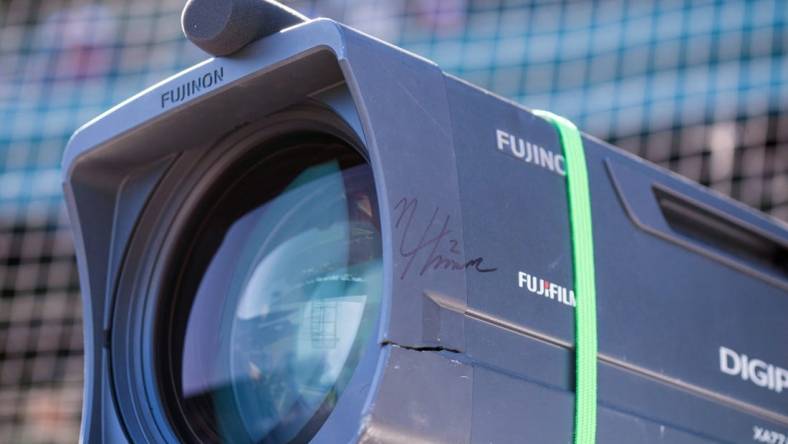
288,297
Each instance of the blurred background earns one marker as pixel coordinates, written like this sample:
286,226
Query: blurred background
700,87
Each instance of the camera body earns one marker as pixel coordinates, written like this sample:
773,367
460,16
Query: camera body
473,335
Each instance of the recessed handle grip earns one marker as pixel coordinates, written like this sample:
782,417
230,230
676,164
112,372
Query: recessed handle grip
699,221
721,232
222,27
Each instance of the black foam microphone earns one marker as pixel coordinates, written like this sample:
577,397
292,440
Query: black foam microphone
222,27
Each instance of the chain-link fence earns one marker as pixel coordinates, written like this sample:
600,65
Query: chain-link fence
700,87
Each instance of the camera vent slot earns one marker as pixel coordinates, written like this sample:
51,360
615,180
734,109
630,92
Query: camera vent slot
723,233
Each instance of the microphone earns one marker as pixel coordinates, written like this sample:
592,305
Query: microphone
222,27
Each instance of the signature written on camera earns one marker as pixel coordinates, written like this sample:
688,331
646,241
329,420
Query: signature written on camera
434,247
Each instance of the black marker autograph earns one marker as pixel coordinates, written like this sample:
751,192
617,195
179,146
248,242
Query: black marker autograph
436,256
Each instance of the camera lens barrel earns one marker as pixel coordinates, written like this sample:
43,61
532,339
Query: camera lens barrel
335,241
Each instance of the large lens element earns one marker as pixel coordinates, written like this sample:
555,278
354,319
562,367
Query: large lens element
281,285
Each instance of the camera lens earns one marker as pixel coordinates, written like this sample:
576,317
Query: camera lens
275,296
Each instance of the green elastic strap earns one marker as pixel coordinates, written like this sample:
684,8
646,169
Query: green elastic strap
579,199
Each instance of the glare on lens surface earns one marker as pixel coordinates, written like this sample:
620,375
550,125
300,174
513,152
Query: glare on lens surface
285,303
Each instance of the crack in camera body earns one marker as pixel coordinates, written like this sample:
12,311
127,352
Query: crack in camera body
324,238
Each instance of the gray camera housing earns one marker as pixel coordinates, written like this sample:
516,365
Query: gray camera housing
686,278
